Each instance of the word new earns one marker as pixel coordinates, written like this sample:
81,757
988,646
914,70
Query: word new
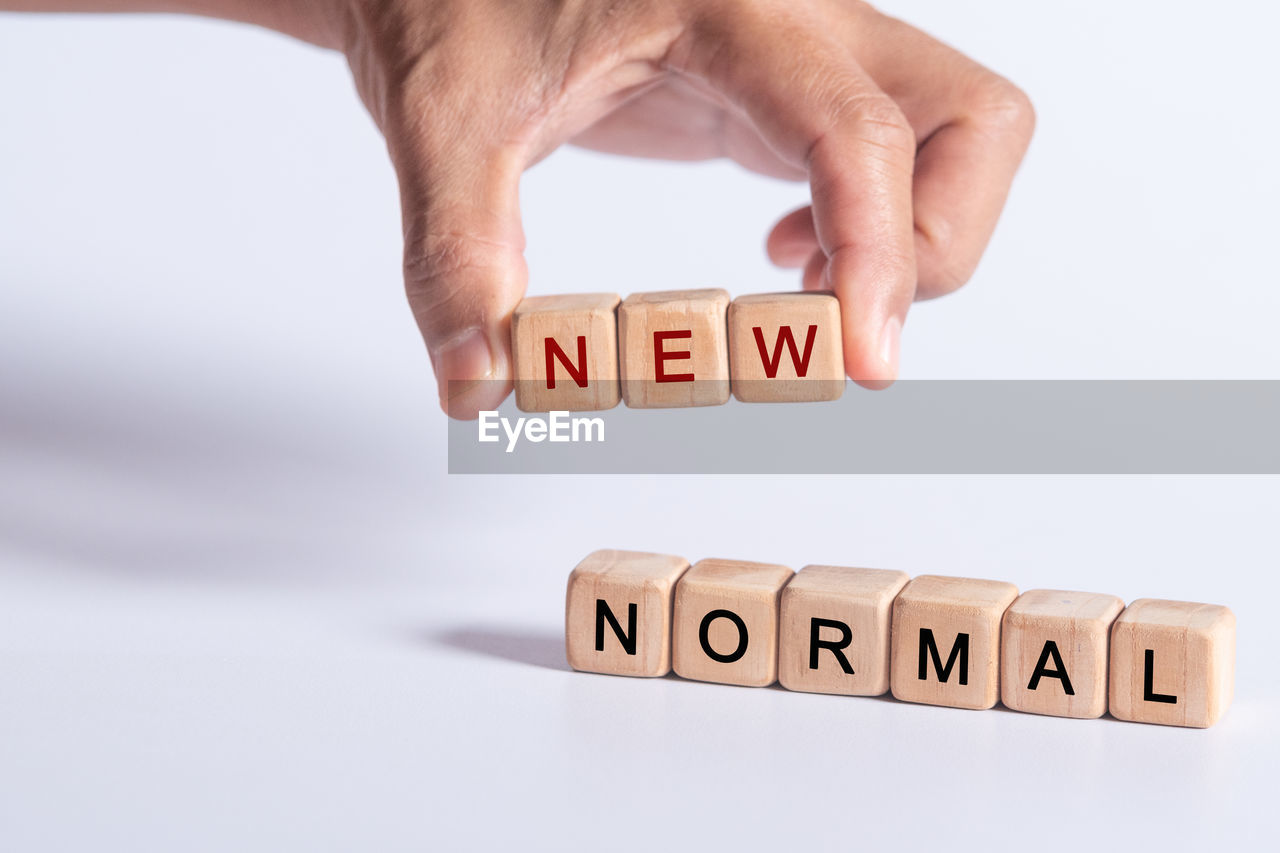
959,642
678,348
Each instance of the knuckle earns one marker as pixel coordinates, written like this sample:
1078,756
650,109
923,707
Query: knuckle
948,278
438,265
881,122
947,260
876,123
950,271
1002,106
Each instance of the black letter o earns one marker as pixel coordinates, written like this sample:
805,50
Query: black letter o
706,644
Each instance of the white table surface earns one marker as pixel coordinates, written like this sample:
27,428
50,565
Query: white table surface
242,606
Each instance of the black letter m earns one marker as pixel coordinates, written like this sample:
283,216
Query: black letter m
929,649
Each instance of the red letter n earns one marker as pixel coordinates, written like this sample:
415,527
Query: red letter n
784,334
579,373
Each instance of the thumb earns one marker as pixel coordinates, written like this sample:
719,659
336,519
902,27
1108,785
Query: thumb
464,268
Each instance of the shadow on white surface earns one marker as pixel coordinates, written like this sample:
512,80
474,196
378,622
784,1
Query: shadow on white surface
527,646
148,473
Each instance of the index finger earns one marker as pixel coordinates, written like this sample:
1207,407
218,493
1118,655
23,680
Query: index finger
818,109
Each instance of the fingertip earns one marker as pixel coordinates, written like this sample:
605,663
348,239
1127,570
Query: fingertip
890,343
870,373
793,239
814,272
874,301
466,400
471,374
874,365
875,384
871,351
789,255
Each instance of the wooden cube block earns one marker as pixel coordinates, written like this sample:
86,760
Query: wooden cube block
786,347
834,635
1054,648
726,622
618,612
566,352
1172,662
674,349
946,641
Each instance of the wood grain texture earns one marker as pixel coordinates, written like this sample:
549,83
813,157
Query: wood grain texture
621,579
657,373
750,591
768,319
963,616
1192,663
860,600
1048,627
584,328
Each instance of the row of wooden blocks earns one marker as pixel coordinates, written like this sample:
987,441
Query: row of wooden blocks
584,352
949,641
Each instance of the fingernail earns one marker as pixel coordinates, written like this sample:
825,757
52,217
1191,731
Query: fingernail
890,339
462,362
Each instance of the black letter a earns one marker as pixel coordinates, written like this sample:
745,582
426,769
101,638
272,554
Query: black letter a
627,639
1059,669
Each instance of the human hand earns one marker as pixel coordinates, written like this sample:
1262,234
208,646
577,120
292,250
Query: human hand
909,147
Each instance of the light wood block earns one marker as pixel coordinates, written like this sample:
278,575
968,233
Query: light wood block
566,352
1172,662
786,347
1054,652
674,349
834,634
726,622
618,612
946,641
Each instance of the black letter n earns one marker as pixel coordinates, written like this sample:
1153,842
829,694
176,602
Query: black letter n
929,649
627,638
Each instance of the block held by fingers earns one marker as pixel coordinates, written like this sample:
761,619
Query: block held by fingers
566,353
786,347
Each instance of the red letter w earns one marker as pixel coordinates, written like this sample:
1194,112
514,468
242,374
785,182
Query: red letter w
771,361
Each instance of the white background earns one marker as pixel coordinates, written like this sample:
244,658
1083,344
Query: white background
242,606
